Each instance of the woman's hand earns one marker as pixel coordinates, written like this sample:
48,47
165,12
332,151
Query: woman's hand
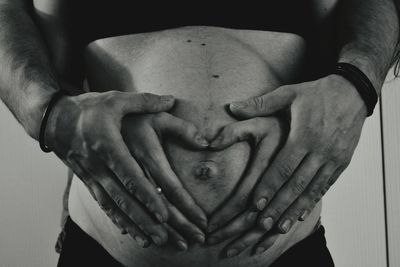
265,135
144,135
326,118
85,133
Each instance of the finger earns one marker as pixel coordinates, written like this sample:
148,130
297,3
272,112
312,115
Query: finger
179,222
288,193
112,211
237,226
176,239
134,211
126,102
302,208
265,104
242,243
279,172
121,163
168,125
240,198
248,130
107,204
154,162
267,241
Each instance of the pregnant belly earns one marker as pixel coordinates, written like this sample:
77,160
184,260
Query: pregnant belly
204,68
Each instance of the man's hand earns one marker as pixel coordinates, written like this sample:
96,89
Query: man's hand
85,132
326,118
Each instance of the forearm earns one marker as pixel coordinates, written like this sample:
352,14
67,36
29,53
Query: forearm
368,34
27,80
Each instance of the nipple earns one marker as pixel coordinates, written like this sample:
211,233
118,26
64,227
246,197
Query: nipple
206,170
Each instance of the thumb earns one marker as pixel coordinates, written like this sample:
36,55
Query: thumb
145,103
168,125
263,105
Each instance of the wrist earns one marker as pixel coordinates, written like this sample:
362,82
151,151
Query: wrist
34,108
367,67
43,134
349,92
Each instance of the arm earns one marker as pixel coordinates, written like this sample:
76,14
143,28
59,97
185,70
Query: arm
327,116
27,80
368,33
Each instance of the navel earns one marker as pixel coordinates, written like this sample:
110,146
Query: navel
206,170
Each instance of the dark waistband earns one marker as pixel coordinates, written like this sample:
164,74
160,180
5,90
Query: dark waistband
77,248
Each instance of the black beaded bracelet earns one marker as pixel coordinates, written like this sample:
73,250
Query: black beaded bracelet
45,119
361,83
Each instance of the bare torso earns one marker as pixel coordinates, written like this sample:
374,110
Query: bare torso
205,68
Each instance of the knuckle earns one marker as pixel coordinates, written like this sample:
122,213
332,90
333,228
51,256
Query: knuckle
298,186
98,144
131,186
147,98
316,192
110,98
326,150
107,208
324,190
121,203
109,188
259,103
285,170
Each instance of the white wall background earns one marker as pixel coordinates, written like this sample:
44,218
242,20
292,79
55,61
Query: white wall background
31,187
361,212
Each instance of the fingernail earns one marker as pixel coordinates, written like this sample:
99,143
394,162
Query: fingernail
156,239
232,252
212,241
303,216
140,241
252,216
268,223
203,224
200,238
237,105
159,217
216,142
201,141
211,228
286,226
182,246
260,250
261,204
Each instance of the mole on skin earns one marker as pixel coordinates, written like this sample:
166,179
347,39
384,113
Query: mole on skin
206,170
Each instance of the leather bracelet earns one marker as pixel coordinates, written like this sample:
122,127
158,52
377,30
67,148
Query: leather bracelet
45,119
361,83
